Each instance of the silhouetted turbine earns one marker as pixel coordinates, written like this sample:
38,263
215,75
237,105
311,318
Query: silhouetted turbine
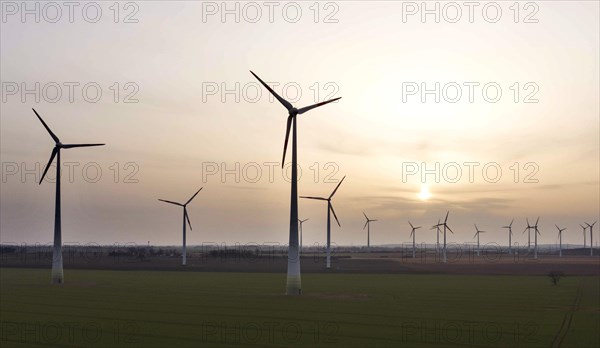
528,230
536,232
329,211
509,236
185,218
294,284
437,243
560,230
412,234
591,237
584,240
445,224
477,235
57,262
300,229
368,227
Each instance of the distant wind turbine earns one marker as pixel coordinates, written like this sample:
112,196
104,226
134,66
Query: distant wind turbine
294,283
329,211
591,237
528,230
536,232
368,227
560,231
584,240
445,225
57,261
437,243
477,235
412,234
509,236
300,229
185,218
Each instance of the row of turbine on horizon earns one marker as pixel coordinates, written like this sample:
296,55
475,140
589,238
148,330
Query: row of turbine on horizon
528,229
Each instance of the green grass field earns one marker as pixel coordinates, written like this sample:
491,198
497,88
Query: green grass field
189,309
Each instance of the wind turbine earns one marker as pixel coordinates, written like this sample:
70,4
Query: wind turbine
437,244
477,235
560,230
509,236
536,232
185,218
368,227
412,234
591,237
300,229
528,230
584,228
57,262
329,211
445,224
294,285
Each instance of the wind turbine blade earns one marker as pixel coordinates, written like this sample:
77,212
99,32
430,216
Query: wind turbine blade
335,216
511,222
284,102
52,155
287,136
189,200
304,220
373,220
69,146
365,216
527,221
475,235
411,225
366,223
336,188
164,200
412,232
187,217
536,221
306,108
46,126
449,229
416,228
318,198
557,227
446,219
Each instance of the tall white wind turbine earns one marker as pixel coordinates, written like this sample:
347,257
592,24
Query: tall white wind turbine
294,283
57,260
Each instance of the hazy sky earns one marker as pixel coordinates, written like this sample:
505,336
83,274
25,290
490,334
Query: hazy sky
184,129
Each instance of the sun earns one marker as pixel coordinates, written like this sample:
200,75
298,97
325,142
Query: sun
424,194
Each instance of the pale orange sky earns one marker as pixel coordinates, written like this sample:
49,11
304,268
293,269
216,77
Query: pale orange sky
172,134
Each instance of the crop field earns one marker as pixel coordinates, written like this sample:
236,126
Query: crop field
101,308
